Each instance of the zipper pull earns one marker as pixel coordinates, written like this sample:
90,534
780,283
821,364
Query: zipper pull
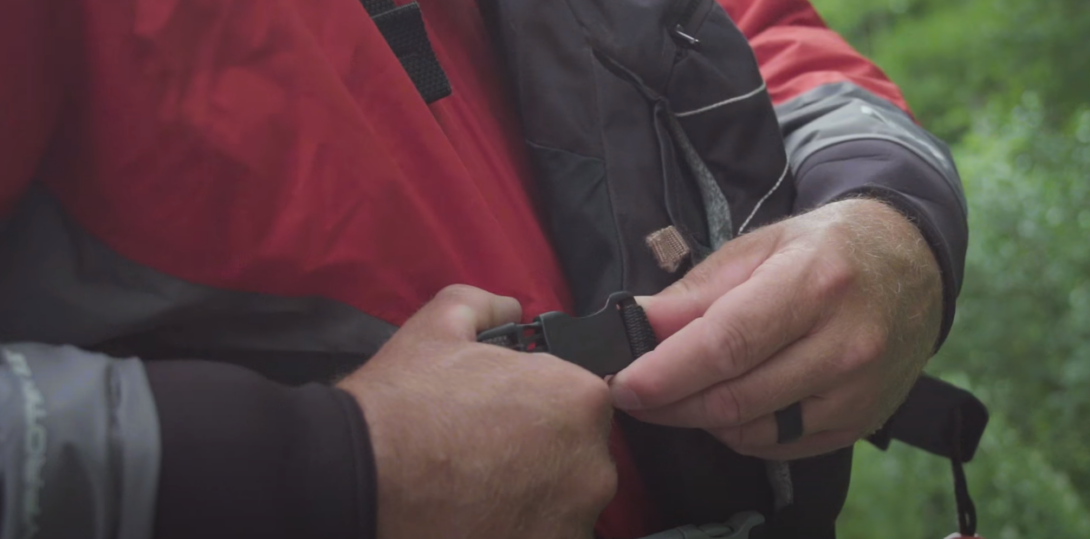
683,39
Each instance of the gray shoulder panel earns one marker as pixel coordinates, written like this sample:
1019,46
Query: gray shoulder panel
839,112
79,445
60,285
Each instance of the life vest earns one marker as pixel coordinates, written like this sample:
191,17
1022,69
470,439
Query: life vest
655,142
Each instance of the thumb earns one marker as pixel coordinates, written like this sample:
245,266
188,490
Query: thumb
460,312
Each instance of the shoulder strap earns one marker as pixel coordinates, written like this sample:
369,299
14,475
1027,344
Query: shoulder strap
403,28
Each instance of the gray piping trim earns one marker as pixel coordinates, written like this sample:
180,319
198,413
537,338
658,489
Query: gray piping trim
757,206
79,445
716,205
841,112
713,106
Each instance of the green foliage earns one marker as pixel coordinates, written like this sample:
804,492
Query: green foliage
1007,83
951,57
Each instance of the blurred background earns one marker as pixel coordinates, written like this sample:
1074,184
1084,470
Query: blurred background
1007,84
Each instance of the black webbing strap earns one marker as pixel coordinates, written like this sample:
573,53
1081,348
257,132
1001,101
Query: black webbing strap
965,506
378,7
404,31
638,328
935,417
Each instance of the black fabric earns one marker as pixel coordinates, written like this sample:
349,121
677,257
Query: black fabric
81,292
378,7
601,79
692,477
293,368
574,188
820,488
893,173
404,30
939,418
245,457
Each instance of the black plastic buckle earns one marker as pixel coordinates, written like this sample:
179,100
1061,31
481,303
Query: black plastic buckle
597,342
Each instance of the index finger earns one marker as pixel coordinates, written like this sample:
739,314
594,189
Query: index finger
461,312
740,330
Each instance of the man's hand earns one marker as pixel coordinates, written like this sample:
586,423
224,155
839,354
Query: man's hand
838,308
473,440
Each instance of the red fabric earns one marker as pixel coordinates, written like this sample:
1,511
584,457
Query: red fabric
277,146
32,70
797,52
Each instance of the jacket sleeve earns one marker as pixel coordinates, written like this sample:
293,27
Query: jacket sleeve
849,132
96,447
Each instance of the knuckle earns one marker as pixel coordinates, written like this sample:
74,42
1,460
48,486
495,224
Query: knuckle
722,407
727,350
866,349
458,293
455,301
602,484
595,394
694,281
588,392
835,276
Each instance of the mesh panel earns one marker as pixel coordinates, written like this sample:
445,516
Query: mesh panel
403,28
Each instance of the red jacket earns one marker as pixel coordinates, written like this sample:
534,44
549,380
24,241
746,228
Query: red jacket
261,176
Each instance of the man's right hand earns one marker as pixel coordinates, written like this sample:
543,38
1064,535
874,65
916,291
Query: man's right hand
474,440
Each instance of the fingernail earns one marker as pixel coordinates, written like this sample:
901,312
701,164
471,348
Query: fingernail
624,398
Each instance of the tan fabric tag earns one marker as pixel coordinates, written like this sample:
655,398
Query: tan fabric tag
668,247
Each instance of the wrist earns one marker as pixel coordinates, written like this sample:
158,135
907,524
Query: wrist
901,261
891,173
403,480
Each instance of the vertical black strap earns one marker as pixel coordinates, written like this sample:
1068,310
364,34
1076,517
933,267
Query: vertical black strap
640,335
965,507
404,31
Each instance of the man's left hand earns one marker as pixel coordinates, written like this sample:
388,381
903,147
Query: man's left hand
837,309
